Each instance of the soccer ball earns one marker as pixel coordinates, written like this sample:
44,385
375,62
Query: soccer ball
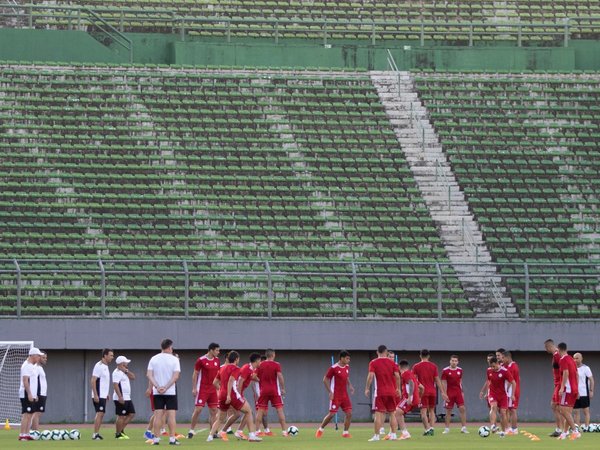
55,435
593,428
74,434
484,431
64,435
35,435
292,431
45,435
584,428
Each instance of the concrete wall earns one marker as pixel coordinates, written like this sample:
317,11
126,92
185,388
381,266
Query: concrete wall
306,348
69,371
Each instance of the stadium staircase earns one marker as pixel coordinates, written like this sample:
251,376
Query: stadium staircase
449,209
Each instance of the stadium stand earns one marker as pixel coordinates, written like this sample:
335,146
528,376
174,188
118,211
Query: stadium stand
345,20
524,149
231,167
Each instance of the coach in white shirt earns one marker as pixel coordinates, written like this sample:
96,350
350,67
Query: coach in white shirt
586,390
163,373
100,384
40,406
28,389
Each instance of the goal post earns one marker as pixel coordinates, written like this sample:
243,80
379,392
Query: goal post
12,355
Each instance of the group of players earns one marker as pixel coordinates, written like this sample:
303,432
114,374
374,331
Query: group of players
394,388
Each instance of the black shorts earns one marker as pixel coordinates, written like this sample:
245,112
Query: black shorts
168,402
124,409
582,402
100,406
27,407
40,405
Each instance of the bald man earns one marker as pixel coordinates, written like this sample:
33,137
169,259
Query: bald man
586,391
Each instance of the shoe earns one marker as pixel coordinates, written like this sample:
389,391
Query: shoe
209,438
375,438
431,431
240,435
575,435
155,443
382,430
283,433
191,434
446,431
493,428
175,442
319,434
124,435
229,431
510,433
387,437
404,436
254,439
120,436
269,433
347,435
562,436
148,435
97,437
223,436
501,434
261,434
464,430
25,438
555,434
164,433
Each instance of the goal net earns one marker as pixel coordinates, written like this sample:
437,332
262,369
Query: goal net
12,355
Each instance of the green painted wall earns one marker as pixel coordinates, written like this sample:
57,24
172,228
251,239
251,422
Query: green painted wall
55,45
78,46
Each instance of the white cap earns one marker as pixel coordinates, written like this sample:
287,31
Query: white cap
33,351
122,359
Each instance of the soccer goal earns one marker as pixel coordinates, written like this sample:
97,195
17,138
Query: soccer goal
12,355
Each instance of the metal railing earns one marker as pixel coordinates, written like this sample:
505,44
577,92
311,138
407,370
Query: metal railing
129,19
276,289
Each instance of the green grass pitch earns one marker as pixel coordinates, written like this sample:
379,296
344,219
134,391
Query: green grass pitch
331,440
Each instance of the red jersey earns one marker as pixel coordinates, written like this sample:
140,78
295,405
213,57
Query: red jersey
406,377
426,371
556,368
246,373
568,363
207,371
453,379
513,368
338,380
267,378
498,380
384,380
226,372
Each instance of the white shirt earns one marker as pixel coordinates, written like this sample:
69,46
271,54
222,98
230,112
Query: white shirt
123,380
163,366
41,376
102,374
28,370
584,372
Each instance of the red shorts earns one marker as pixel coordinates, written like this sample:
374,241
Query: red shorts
428,401
385,403
405,407
501,401
513,405
207,397
264,399
454,398
555,397
568,399
236,403
343,404
152,400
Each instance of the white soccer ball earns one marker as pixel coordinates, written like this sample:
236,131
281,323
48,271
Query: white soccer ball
64,435
46,435
484,431
35,435
592,428
75,434
584,428
596,428
55,435
292,430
